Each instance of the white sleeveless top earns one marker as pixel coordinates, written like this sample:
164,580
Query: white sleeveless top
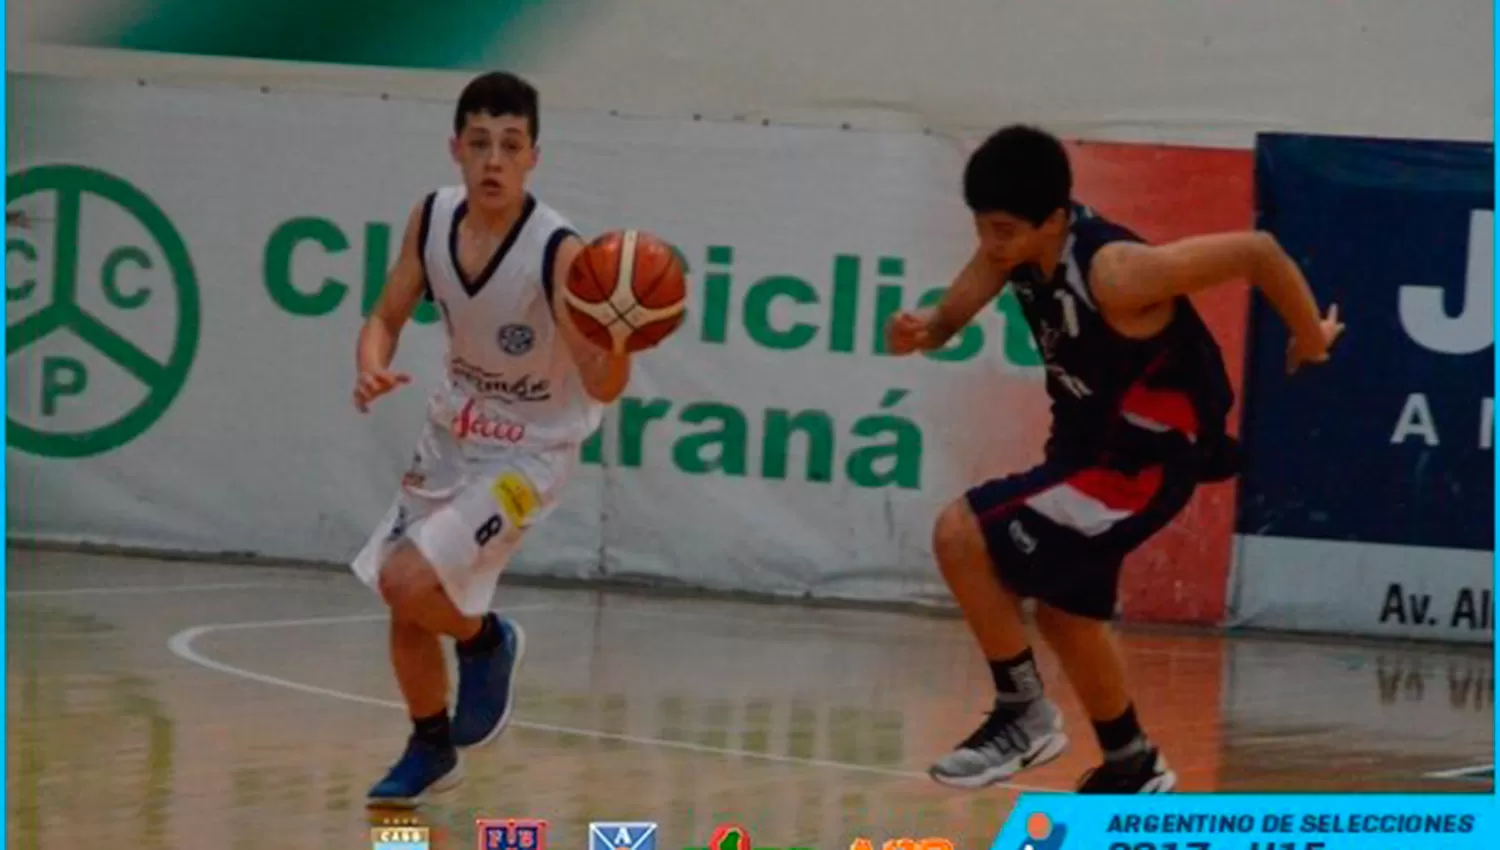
511,381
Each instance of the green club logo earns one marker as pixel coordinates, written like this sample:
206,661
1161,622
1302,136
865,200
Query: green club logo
134,273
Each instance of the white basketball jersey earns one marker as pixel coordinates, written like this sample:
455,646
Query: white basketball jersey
511,381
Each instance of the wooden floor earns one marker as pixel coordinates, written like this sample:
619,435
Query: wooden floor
180,705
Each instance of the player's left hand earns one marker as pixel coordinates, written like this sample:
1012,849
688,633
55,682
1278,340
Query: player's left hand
1301,352
374,384
906,333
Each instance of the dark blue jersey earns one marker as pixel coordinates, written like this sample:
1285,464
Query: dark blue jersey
1118,401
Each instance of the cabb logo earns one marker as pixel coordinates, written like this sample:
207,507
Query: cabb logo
400,833
400,838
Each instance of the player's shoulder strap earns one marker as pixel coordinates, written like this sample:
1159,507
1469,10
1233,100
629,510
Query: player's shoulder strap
438,206
1090,232
557,228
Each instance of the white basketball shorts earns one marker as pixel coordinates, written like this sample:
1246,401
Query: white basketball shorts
466,514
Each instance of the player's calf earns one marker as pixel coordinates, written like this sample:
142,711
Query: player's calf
1024,729
1086,647
964,557
489,648
429,763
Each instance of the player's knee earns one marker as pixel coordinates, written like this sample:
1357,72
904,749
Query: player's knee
405,581
1057,624
956,535
407,632
1049,618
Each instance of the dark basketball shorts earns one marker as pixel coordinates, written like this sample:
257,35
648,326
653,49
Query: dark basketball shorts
1059,533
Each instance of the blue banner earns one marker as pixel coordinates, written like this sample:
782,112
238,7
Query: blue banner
1251,822
1390,442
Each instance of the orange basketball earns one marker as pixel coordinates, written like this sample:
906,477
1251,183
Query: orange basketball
627,291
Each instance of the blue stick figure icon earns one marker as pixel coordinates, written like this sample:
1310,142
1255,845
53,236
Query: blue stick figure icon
1043,834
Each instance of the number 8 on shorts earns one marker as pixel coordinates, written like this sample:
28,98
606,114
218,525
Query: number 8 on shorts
492,526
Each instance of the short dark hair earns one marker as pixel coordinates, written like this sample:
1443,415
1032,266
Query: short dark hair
497,93
1020,170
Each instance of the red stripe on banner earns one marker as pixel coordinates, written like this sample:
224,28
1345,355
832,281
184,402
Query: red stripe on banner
1181,575
1117,490
1170,408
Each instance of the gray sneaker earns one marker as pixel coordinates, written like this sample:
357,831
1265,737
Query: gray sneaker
1005,744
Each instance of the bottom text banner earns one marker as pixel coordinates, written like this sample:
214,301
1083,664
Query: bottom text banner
1252,822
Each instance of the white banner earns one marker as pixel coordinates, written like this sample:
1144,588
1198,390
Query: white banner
183,310
1377,589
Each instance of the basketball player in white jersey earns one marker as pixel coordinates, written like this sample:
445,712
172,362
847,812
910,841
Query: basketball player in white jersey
523,389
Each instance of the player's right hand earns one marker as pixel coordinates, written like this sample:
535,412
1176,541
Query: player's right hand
1314,351
907,332
374,384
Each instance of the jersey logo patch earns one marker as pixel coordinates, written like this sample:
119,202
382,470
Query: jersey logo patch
516,339
516,496
1023,539
1072,383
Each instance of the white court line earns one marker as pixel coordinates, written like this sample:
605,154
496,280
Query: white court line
1176,652
181,645
1460,772
307,621
758,621
161,588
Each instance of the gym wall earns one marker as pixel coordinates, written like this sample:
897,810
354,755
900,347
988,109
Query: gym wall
244,169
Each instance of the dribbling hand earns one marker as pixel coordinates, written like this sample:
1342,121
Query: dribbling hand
906,333
374,384
1301,352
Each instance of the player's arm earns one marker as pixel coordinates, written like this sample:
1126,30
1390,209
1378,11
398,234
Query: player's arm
381,331
929,329
1131,281
604,373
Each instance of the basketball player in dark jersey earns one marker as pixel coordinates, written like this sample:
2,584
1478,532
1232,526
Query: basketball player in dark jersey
1140,399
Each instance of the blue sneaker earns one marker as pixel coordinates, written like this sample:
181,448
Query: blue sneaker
423,769
485,694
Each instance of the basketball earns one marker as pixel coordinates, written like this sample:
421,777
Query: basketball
627,291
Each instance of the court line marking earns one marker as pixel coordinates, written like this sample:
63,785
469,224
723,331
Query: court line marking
181,645
162,588
1461,772
904,627
1176,653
